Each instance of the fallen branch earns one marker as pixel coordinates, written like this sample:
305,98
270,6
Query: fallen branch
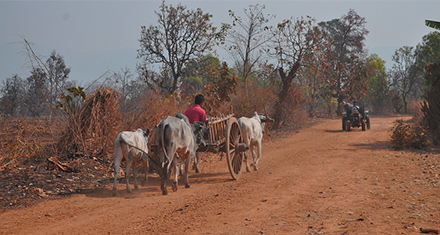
62,166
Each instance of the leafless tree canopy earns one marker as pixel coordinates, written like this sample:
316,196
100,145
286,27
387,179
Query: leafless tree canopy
181,35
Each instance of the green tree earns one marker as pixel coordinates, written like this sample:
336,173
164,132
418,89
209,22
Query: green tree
429,50
209,75
433,24
181,35
377,95
199,72
428,54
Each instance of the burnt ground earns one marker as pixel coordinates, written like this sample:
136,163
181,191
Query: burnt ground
32,181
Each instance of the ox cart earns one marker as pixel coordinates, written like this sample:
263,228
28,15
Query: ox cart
223,134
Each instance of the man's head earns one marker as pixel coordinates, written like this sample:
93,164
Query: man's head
355,103
199,99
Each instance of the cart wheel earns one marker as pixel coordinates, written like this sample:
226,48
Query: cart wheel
233,154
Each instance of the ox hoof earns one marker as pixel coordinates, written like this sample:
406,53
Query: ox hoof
255,168
164,192
174,187
187,186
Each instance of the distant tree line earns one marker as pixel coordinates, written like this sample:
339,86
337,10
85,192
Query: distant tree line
302,64
36,95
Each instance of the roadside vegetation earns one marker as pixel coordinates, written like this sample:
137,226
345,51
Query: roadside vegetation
293,70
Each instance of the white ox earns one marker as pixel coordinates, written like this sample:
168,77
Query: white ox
252,132
130,144
175,137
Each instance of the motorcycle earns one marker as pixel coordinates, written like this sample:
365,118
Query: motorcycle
355,117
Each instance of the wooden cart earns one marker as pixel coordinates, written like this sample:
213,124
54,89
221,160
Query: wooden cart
223,134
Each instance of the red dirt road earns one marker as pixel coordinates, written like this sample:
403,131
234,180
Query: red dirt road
319,180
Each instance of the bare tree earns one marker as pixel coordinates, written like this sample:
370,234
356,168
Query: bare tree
48,81
293,40
405,76
181,35
58,73
130,88
246,38
123,79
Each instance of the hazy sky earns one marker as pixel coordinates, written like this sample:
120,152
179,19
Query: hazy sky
97,36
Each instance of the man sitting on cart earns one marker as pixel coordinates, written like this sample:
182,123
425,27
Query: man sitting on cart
196,113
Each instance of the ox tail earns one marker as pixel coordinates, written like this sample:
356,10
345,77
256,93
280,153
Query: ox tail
117,155
163,146
117,158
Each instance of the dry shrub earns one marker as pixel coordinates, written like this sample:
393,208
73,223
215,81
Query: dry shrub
406,136
415,108
93,129
150,110
290,110
223,108
22,139
251,98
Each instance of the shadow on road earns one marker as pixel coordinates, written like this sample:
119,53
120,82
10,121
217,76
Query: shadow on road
334,131
374,146
152,185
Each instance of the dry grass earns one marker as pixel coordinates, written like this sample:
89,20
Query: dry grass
21,139
92,129
148,111
253,98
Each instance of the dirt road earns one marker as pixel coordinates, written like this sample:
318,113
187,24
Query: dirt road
319,180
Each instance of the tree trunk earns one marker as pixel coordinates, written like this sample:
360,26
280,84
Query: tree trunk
339,108
405,104
286,83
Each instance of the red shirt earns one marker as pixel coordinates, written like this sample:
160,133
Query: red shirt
196,114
